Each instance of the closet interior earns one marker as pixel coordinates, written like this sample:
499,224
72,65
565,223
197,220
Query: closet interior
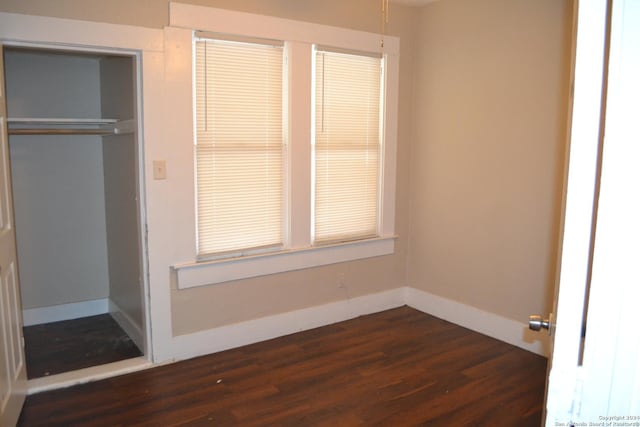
72,124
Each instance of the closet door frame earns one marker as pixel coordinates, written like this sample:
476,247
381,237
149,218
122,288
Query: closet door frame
144,46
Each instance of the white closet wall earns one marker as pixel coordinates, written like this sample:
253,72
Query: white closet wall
120,190
58,181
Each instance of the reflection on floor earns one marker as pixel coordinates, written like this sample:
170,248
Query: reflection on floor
58,347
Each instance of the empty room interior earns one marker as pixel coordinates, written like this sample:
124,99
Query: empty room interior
116,215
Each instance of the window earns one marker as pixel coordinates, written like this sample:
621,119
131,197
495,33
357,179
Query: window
346,145
297,176
239,146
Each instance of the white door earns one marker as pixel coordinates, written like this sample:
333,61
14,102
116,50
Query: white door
13,382
611,363
598,380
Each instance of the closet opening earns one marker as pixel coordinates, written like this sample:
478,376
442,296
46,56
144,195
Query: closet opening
75,155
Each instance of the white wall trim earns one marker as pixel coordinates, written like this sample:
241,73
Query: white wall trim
490,324
226,21
56,313
256,330
252,331
133,330
74,33
265,328
206,273
85,375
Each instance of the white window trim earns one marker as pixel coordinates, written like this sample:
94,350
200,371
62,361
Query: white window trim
190,275
299,38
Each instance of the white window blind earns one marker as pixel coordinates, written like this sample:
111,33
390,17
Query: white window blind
347,146
239,146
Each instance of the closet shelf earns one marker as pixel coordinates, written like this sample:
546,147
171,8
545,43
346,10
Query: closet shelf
68,126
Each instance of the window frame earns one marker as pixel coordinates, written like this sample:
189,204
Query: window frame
299,40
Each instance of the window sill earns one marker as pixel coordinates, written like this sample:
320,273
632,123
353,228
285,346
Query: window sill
190,275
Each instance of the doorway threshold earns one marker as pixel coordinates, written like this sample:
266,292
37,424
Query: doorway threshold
85,375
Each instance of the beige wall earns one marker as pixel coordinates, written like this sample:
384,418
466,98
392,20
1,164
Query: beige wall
147,13
486,165
210,306
481,131
356,14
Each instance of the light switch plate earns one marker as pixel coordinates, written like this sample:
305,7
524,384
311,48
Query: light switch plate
159,169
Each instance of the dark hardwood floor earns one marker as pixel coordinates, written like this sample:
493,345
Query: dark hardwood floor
396,368
57,347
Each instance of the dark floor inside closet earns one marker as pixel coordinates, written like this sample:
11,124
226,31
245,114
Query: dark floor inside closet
69,345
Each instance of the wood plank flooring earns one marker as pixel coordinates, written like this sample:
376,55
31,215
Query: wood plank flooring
57,347
396,368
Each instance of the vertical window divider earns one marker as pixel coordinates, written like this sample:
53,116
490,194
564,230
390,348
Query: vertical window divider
300,160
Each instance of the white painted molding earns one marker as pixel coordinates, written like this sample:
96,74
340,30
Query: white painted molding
501,328
18,28
210,272
56,313
265,328
125,321
226,21
252,331
94,373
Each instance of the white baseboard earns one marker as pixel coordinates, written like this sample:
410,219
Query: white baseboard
501,328
56,313
133,330
252,331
